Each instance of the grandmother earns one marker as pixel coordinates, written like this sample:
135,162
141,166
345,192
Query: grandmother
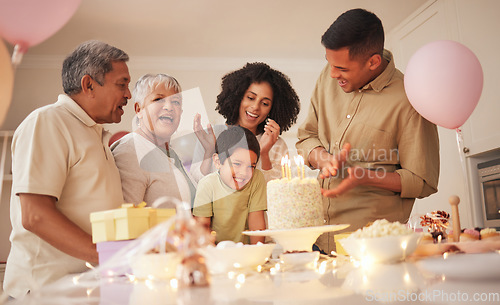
149,167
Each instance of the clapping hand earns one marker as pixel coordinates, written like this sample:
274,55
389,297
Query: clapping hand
353,179
336,164
206,138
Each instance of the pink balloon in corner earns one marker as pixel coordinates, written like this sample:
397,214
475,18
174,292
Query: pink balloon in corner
443,82
26,23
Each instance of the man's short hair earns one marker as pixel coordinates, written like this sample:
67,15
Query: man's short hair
233,138
358,30
93,58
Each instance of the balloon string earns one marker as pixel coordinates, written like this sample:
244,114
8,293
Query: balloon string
460,144
17,55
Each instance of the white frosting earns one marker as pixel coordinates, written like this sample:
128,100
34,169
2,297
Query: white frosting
382,227
488,231
294,203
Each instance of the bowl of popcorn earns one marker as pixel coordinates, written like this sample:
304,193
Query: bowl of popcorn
381,242
228,256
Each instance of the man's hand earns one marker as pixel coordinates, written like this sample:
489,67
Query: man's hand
41,217
354,178
361,176
331,165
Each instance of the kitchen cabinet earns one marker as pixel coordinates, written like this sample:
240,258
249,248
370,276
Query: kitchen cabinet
5,158
482,130
5,187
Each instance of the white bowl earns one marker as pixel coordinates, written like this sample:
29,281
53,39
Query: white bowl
385,249
224,259
156,265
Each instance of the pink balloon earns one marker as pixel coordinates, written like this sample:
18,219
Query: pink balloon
443,81
27,23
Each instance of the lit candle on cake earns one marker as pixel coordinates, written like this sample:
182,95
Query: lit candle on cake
297,162
289,169
300,164
283,160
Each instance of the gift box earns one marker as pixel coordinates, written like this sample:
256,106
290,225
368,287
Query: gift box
130,222
103,226
127,222
157,216
339,249
106,250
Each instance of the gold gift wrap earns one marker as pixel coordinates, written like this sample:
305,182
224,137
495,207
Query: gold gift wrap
339,249
127,222
103,226
157,216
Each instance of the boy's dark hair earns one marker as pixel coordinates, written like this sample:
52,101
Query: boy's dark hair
285,107
359,30
236,137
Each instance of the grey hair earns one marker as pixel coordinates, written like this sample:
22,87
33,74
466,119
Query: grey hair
148,83
93,58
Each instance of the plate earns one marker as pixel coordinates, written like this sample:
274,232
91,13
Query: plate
299,239
476,266
469,247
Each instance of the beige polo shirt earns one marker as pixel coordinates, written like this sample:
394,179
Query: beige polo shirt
58,150
229,208
386,134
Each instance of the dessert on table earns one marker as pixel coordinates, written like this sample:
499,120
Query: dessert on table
295,210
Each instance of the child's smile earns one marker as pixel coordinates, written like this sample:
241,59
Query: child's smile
237,170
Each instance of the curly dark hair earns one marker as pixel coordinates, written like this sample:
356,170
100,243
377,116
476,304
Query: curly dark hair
285,106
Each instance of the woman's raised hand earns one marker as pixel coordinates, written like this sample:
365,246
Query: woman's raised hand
270,136
206,138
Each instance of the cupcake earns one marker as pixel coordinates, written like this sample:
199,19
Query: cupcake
489,233
469,235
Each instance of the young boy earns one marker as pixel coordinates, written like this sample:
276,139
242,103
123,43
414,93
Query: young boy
233,199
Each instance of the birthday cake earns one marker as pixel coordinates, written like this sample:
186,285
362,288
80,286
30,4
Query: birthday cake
294,203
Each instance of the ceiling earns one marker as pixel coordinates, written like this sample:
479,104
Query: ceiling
216,28
197,40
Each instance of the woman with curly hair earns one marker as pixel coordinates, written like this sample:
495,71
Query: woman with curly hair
260,99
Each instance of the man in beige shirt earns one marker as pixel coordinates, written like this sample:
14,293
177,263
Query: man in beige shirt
63,170
376,154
